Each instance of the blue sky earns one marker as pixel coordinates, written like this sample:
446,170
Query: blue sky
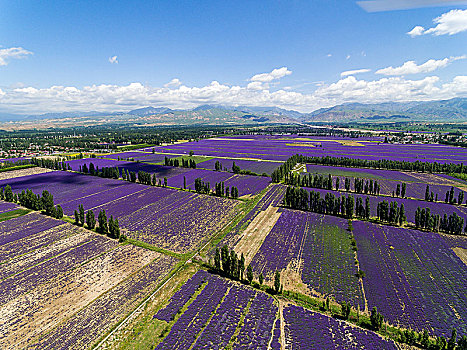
118,55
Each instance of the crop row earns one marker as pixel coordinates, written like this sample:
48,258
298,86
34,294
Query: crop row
88,324
305,329
24,226
211,320
413,277
318,248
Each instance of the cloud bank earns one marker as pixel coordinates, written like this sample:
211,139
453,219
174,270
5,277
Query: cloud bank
111,98
449,23
355,71
12,53
410,67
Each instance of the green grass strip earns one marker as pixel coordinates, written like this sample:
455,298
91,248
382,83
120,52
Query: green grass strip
13,214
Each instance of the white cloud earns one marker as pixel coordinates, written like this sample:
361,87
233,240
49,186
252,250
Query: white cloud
449,23
273,75
391,5
410,67
174,83
111,98
416,31
355,71
113,59
12,53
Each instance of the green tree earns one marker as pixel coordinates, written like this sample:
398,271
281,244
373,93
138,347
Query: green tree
345,310
424,339
217,260
462,343
277,281
48,203
376,319
81,214
114,228
249,274
452,340
76,217
241,266
59,212
261,279
103,225
90,219
9,196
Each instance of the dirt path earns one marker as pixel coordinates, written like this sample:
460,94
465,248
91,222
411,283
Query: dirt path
461,253
254,235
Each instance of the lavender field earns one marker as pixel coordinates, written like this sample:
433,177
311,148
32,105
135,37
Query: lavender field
318,249
413,277
281,147
53,271
64,286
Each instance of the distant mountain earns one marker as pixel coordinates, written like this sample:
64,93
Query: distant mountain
453,110
269,111
149,111
435,111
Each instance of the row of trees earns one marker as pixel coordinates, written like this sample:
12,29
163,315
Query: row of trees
299,198
220,190
329,182
433,167
413,338
106,227
183,162
51,163
390,212
30,200
227,263
452,224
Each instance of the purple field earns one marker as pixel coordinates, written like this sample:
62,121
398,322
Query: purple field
6,206
281,147
258,167
165,217
24,226
306,329
272,197
388,180
124,155
160,170
225,302
413,277
246,184
321,246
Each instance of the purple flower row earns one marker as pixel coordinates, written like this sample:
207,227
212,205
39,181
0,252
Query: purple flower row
305,329
321,245
181,297
24,226
255,166
413,277
188,326
86,326
43,272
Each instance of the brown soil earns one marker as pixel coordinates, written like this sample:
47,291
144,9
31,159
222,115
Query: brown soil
30,315
461,253
23,172
253,236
